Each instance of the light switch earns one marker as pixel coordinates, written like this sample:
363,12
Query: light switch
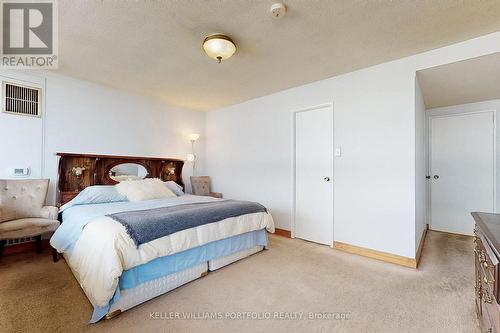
338,152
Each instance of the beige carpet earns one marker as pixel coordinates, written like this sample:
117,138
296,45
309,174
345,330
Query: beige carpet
37,295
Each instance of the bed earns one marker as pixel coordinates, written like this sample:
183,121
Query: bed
124,253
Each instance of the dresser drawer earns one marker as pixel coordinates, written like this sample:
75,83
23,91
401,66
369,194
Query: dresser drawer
486,259
486,325
490,309
488,262
478,291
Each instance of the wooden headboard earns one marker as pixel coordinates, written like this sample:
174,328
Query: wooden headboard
97,171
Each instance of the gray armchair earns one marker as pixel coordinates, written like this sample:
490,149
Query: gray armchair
23,212
200,185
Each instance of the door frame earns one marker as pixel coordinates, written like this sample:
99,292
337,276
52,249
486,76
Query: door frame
429,154
293,163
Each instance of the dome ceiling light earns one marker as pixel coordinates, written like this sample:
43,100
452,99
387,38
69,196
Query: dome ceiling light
219,47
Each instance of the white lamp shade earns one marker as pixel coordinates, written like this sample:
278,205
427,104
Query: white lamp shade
194,136
190,157
219,47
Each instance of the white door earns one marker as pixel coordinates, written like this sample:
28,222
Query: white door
462,170
314,175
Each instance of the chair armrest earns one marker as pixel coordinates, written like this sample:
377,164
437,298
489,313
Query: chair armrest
216,195
49,212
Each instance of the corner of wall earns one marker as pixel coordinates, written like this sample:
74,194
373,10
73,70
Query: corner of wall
420,168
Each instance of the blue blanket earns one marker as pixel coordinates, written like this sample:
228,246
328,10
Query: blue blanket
146,225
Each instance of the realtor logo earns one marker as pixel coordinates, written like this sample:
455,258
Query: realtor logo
29,33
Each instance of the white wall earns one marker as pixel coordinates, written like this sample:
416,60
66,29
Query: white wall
21,143
492,105
84,117
420,165
249,145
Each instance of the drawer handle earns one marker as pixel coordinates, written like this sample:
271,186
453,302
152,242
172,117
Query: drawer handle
482,256
487,297
485,279
478,292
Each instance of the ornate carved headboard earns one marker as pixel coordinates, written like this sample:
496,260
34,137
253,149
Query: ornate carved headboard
77,171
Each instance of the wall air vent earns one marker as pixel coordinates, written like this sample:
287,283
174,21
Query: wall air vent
21,99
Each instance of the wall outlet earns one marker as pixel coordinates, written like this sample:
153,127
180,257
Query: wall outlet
338,152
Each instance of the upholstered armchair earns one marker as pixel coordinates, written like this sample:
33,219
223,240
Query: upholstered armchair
200,185
23,212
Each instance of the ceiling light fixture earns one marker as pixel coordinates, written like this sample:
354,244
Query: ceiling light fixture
219,47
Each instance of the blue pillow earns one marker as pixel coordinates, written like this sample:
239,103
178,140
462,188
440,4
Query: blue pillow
174,187
95,195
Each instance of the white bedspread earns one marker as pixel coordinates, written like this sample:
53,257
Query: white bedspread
103,249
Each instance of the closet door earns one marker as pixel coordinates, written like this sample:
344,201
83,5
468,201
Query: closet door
314,175
462,170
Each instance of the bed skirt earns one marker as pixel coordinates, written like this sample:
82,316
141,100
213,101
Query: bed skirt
154,288
163,274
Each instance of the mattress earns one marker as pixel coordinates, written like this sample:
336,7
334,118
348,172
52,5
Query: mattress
226,260
151,289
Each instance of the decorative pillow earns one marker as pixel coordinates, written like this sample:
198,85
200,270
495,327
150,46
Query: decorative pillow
95,195
146,189
174,187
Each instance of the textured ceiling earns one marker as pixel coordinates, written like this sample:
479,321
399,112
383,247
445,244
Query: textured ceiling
154,47
462,82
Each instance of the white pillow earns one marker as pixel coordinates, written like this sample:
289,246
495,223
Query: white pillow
94,195
174,187
145,189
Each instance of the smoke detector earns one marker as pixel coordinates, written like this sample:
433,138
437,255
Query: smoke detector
278,10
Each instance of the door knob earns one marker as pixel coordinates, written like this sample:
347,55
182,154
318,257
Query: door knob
436,176
326,179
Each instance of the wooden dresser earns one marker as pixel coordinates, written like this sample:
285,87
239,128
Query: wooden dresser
487,256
